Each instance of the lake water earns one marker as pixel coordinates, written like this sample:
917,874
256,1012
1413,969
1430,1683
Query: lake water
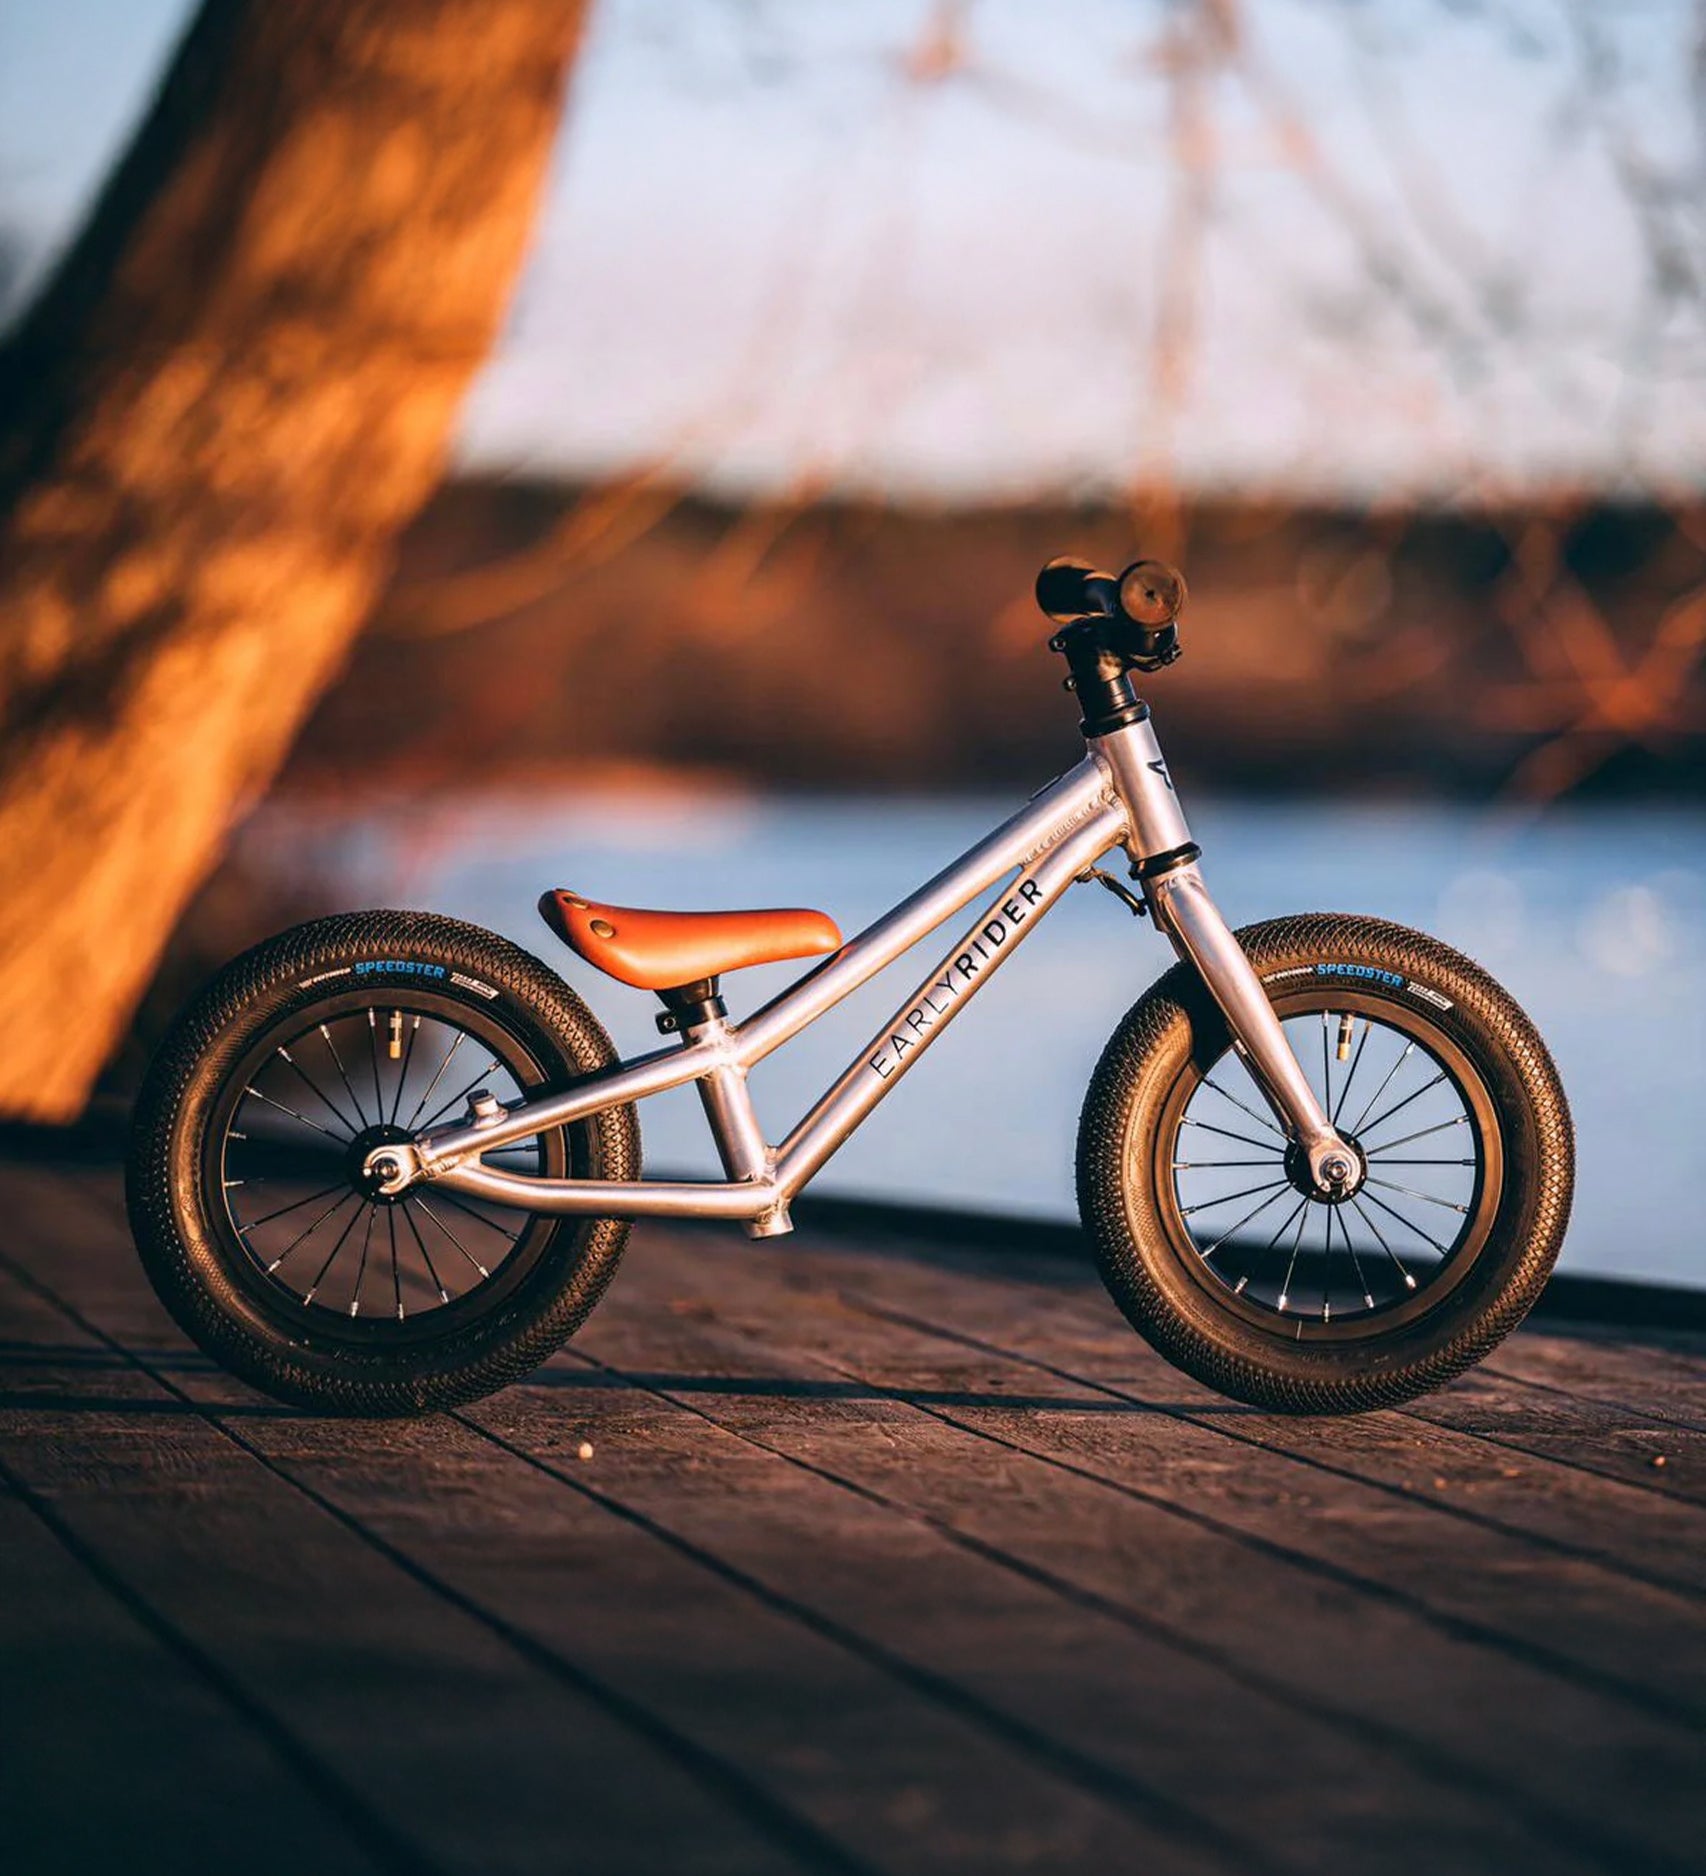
1593,917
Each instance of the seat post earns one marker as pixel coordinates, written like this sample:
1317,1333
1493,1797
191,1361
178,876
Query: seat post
729,1112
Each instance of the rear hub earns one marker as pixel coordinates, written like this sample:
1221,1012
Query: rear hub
366,1179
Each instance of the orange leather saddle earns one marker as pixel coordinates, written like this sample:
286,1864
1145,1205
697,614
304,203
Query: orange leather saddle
665,950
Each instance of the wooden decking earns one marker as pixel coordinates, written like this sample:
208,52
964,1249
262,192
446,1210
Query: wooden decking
887,1558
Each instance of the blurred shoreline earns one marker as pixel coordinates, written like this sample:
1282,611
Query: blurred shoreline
640,633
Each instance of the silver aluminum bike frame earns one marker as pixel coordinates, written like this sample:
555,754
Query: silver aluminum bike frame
1120,795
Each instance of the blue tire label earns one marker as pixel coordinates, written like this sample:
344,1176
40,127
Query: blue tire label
1367,974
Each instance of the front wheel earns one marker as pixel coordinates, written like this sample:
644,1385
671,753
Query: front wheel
1208,1232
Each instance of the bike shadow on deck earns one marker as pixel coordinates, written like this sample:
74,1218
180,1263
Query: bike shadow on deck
16,1356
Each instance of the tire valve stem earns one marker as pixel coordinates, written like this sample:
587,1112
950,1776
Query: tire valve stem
1347,1023
395,1046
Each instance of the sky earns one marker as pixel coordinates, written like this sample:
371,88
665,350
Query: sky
1353,249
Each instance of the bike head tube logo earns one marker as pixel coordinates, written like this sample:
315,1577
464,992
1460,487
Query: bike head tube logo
405,967
1366,971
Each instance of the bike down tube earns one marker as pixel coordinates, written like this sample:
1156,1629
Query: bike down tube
1052,813
973,961
941,997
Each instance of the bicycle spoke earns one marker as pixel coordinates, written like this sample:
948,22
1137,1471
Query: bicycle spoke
1397,1262
361,1268
1326,1059
1260,1119
342,1076
1242,1138
296,1116
462,1095
1199,1165
533,1147
396,1274
373,1051
314,1089
1327,1268
1427,1198
450,1056
320,1275
426,1255
451,1235
1296,1245
1422,1133
1356,1125
1207,1205
294,1206
1356,1265
307,1232
1408,1223
1426,1085
479,1218
1285,1225
1356,1060
1242,1222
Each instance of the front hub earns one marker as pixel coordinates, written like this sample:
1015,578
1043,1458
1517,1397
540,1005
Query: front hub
1342,1172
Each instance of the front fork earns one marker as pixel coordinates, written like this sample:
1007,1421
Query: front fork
1180,905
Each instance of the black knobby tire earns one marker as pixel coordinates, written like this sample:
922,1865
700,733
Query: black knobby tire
207,1272
1248,1338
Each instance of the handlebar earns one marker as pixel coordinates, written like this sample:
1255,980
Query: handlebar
1133,615
1073,589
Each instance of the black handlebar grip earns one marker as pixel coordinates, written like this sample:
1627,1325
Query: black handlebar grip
1151,593
1070,589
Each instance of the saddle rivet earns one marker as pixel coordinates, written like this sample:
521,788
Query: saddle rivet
602,928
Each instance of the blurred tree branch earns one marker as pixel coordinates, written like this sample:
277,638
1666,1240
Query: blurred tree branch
1427,269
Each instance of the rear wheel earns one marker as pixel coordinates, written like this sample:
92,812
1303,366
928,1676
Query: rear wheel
1208,1229
255,1222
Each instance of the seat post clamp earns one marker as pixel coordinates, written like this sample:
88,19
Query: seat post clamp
686,1006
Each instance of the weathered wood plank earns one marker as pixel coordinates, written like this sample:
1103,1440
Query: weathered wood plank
1136,1690
107,1737
1653,1468
457,1752
1378,1474
1661,1380
1554,1732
